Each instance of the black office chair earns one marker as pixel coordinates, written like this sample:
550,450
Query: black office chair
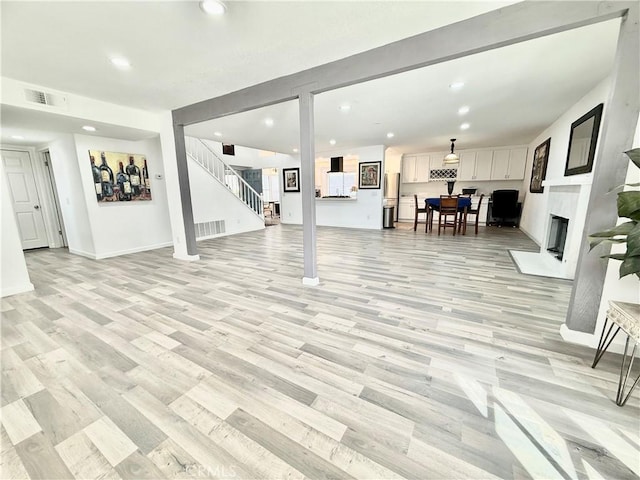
504,208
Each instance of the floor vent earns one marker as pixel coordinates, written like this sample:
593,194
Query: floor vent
44,98
209,229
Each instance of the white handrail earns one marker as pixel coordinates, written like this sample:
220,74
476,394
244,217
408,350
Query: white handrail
224,173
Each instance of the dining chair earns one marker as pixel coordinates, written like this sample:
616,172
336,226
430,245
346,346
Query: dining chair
471,211
417,211
448,208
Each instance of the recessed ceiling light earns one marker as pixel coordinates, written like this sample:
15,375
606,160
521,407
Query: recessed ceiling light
332,141
391,135
344,108
217,134
268,122
456,85
463,110
464,126
295,150
89,128
17,137
121,62
213,7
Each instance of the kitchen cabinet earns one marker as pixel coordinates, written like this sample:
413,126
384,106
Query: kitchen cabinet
475,165
509,164
415,168
406,209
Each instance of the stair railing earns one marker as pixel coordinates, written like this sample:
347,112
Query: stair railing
204,155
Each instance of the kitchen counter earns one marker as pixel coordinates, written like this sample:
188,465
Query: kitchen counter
336,199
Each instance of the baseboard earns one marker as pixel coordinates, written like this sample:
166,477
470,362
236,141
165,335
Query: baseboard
133,250
591,339
101,256
81,253
25,287
529,235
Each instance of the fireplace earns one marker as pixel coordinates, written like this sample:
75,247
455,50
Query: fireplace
557,236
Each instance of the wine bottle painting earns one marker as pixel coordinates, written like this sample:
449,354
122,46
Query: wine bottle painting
120,177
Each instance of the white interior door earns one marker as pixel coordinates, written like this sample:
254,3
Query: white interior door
26,204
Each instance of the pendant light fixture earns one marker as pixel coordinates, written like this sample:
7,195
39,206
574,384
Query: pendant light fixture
451,158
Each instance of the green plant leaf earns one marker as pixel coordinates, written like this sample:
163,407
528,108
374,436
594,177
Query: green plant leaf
616,256
595,242
634,155
633,242
629,205
608,235
630,265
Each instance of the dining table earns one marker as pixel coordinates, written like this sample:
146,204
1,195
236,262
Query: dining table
433,204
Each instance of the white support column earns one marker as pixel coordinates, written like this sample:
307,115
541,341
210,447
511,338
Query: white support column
307,189
616,136
175,194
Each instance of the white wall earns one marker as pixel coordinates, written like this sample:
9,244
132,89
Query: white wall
213,201
535,209
125,227
81,107
14,276
253,158
93,111
365,212
73,206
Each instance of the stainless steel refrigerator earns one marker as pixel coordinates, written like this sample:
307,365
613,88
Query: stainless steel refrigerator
392,192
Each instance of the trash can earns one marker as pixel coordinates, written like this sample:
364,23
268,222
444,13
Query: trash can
388,214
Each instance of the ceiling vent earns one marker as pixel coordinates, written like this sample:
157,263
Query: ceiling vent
45,98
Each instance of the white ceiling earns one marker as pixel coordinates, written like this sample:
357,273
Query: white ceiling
180,56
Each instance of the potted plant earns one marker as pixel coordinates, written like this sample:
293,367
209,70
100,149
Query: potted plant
627,232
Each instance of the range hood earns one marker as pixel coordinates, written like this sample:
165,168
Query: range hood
336,164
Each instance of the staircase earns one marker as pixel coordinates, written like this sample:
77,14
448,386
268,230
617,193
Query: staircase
203,155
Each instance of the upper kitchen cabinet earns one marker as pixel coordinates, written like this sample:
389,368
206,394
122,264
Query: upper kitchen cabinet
475,165
415,168
509,164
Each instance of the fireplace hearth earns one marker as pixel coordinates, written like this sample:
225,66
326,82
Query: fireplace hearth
557,236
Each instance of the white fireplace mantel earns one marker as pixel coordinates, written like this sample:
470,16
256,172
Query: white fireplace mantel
566,181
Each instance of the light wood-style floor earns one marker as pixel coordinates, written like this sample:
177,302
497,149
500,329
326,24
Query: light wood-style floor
417,357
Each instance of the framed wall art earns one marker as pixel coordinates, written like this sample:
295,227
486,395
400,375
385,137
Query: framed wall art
291,179
369,175
582,142
120,177
539,169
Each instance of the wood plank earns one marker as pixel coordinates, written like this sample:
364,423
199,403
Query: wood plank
18,422
291,452
83,458
40,459
110,440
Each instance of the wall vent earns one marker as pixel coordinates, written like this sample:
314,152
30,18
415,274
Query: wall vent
45,98
209,229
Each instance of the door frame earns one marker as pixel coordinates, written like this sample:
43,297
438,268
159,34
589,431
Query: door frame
59,233
45,193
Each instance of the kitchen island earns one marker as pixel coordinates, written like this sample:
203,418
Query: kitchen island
362,211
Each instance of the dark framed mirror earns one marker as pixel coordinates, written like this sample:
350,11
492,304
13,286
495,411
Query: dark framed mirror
582,142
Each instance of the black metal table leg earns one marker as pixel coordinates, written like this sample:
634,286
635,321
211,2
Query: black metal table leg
621,398
603,339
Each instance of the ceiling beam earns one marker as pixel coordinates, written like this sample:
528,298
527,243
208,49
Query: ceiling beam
505,26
